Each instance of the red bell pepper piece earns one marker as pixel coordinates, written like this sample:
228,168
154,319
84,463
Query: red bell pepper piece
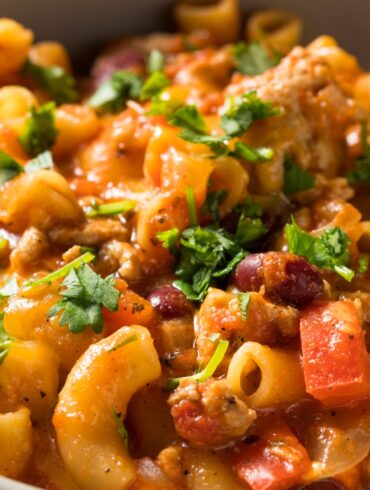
276,460
336,363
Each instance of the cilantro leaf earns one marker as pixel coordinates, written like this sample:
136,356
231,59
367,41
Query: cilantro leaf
128,340
251,154
156,61
122,431
362,170
169,239
154,85
9,288
84,295
249,208
363,264
243,111
253,59
327,251
244,301
39,132
212,203
207,372
55,80
217,144
6,340
192,208
44,161
111,208
249,230
188,117
9,168
112,95
295,178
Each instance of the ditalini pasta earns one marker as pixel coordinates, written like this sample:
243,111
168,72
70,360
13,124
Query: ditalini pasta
184,259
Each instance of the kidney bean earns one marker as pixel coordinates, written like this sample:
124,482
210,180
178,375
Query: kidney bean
169,302
323,485
123,59
286,278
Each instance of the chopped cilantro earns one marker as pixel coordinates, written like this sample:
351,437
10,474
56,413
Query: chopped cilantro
212,203
207,372
6,340
128,340
363,264
169,239
251,154
253,59
244,301
250,226
362,170
9,168
39,132
63,271
55,80
327,251
188,117
192,209
295,178
217,144
156,61
84,295
154,85
113,94
111,208
122,431
243,111
44,161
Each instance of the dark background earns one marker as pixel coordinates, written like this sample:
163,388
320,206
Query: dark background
82,24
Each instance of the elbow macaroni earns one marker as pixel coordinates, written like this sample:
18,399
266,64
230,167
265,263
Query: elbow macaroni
103,380
265,376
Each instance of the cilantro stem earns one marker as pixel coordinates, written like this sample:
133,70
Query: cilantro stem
63,271
207,372
111,208
190,199
128,340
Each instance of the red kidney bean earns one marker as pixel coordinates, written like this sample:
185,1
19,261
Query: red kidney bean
123,59
323,485
286,278
169,302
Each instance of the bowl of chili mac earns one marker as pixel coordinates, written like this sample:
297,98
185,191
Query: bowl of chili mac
184,256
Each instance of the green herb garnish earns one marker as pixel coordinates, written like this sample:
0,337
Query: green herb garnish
295,178
40,132
154,85
363,264
44,161
122,431
156,61
253,59
128,340
9,288
111,208
169,239
6,340
243,111
63,271
192,209
212,203
84,295
362,171
9,168
327,251
113,94
244,301
205,373
55,80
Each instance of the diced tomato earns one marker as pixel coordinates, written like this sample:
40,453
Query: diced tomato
336,363
133,309
276,460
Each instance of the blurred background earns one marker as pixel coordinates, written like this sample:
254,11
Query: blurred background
83,24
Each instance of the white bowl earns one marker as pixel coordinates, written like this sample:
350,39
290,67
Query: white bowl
80,24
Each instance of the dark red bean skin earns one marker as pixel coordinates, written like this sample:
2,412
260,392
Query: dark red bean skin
123,59
248,276
169,302
323,485
286,278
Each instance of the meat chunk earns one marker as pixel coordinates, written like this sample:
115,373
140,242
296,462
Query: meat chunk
209,414
31,247
266,322
115,255
315,116
91,233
